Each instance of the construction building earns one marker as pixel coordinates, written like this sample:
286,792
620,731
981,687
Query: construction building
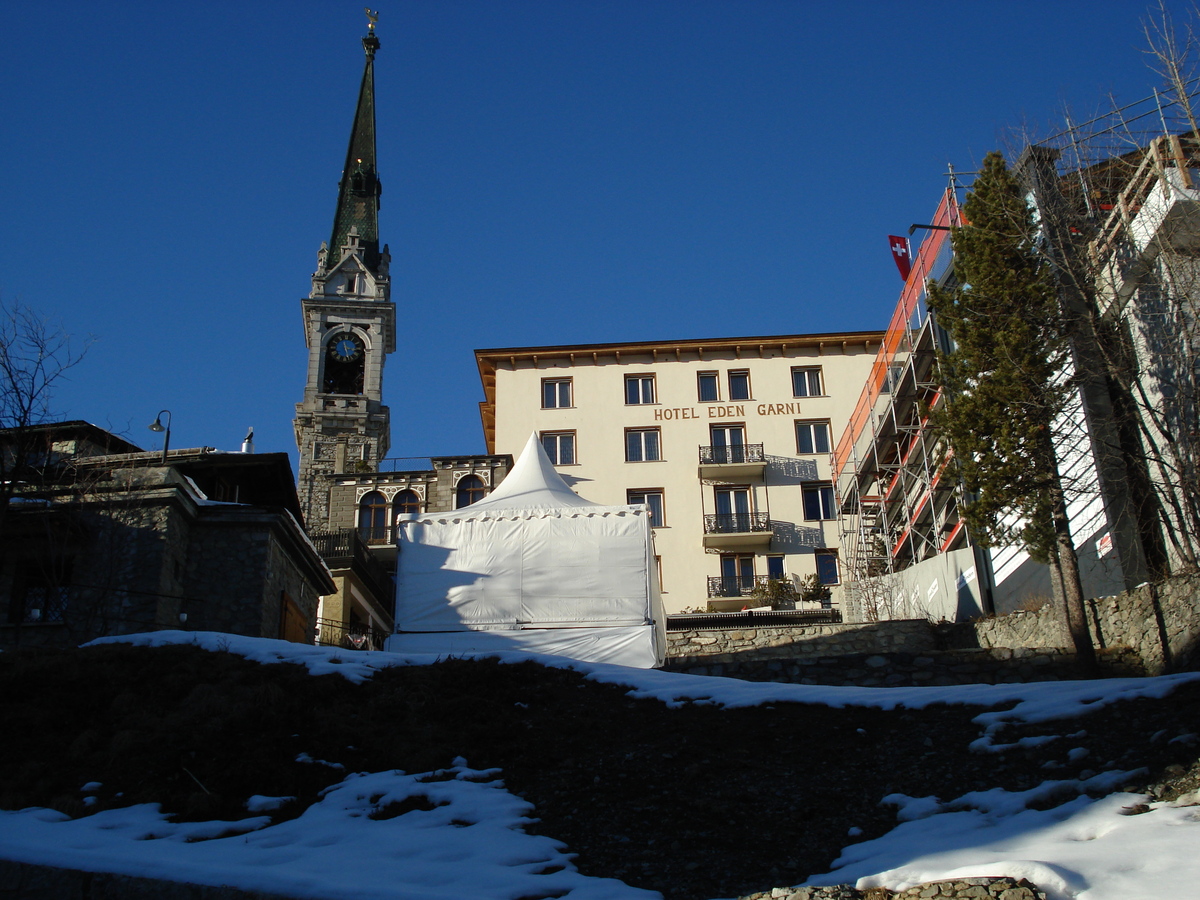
1121,233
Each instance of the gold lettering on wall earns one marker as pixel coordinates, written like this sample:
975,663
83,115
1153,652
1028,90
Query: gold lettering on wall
724,411
667,415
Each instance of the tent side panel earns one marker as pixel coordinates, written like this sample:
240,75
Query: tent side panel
458,575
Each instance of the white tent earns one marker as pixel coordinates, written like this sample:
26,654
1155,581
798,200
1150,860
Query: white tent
533,566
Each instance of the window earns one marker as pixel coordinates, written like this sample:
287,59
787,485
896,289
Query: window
806,382
812,437
827,567
556,393
642,445
739,385
728,443
707,385
775,568
560,447
737,575
40,593
733,510
406,501
470,489
654,500
818,502
372,518
639,389
345,360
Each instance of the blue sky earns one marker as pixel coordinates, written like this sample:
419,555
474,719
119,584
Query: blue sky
553,172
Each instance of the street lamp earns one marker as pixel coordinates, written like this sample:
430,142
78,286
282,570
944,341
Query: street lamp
157,426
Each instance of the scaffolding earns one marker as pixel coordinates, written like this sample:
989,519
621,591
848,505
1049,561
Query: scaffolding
897,503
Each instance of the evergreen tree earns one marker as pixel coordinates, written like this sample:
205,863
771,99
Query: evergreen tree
1005,385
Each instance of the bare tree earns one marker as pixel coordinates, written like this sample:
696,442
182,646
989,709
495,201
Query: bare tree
35,355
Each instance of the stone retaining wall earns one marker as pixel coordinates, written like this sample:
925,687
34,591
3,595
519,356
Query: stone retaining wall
1000,665
1130,629
1148,618
800,641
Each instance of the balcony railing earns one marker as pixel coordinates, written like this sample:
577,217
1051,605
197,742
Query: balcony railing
375,536
736,454
735,585
736,523
351,635
346,550
751,618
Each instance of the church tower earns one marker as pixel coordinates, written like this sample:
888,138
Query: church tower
341,424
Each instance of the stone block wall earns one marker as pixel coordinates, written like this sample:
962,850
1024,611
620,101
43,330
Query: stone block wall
1162,621
799,641
1146,631
1001,665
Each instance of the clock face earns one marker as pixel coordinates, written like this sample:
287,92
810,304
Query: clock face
346,347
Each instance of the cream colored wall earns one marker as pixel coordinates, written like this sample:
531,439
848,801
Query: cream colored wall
600,416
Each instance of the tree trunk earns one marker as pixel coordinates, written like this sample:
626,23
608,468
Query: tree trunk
1072,608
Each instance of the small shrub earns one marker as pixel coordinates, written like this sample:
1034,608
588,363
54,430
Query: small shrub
812,591
1033,603
778,593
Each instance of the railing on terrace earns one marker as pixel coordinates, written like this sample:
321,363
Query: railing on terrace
353,636
1170,151
376,536
345,550
752,618
736,523
406,464
738,453
735,585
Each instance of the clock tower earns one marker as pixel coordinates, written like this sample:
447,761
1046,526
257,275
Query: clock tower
341,424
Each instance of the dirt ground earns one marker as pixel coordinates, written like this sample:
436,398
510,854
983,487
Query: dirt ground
695,802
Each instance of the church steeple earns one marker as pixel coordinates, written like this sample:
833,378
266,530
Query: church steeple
342,425
359,189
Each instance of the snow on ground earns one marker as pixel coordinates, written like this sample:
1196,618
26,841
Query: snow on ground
472,845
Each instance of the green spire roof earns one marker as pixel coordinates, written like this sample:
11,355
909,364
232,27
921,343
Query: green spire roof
359,189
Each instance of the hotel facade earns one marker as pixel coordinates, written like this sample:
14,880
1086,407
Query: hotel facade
727,440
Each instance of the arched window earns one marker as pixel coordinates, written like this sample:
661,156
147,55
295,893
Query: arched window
345,364
372,518
470,489
406,502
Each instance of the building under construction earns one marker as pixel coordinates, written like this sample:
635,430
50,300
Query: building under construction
1121,227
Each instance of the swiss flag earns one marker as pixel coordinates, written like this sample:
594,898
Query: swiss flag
901,254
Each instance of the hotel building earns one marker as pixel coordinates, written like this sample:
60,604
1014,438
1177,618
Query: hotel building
727,440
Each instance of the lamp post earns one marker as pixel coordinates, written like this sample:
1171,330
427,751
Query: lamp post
157,426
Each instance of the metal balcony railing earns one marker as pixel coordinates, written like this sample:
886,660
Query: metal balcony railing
735,585
351,635
736,523
375,536
752,618
738,453
346,549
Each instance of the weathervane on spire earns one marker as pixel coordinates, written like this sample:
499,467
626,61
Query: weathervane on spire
370,42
